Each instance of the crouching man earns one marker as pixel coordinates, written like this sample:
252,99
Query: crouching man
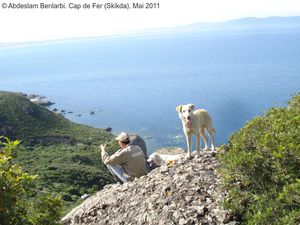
128,162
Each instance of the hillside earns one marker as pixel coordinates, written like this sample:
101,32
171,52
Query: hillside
33,124
188,192
63,154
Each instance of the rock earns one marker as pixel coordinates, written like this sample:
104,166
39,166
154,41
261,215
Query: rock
40,100
233,223
182,221
31,96
213,154
188,192
201,210
164,169
85,196
108,129
43,102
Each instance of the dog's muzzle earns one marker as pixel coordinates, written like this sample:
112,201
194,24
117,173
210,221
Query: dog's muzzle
188,121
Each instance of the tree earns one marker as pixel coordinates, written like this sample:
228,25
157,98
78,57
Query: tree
19,203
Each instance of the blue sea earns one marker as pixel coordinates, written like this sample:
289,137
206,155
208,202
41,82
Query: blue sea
134,83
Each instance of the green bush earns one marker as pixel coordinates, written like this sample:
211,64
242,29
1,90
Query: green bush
19,204
261,167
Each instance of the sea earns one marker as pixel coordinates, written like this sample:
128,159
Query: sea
133,83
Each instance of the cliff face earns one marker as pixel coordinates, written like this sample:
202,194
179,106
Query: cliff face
188,192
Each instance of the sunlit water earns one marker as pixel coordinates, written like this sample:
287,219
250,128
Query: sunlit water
134,84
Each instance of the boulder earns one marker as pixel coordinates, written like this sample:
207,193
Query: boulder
108,129
188,192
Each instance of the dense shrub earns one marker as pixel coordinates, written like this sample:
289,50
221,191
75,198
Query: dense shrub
19,204
261,167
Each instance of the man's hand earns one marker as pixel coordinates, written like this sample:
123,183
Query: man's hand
102,147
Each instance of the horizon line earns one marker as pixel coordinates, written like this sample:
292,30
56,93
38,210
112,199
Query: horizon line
133,33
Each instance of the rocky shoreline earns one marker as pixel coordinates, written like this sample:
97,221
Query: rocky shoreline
43,101
187,192
38,99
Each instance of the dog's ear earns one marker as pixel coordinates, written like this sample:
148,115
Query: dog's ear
178,108
191,106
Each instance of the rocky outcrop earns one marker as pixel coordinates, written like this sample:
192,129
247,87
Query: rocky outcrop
187,192
38,99
108,129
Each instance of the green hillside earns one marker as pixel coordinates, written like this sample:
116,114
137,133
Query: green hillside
32,123
63,154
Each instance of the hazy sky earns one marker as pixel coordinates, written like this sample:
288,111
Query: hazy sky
19,25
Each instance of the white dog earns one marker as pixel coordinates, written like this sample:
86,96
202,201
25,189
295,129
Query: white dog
162,159
196,122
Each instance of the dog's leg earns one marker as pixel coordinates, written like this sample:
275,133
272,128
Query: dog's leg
212,132
189,146
203,134
198,142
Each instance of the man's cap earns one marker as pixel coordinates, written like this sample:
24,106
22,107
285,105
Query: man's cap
122,137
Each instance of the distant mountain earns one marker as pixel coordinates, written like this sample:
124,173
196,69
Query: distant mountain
270,21
237,26
249,24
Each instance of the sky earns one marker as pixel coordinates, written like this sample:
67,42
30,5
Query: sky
26,25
